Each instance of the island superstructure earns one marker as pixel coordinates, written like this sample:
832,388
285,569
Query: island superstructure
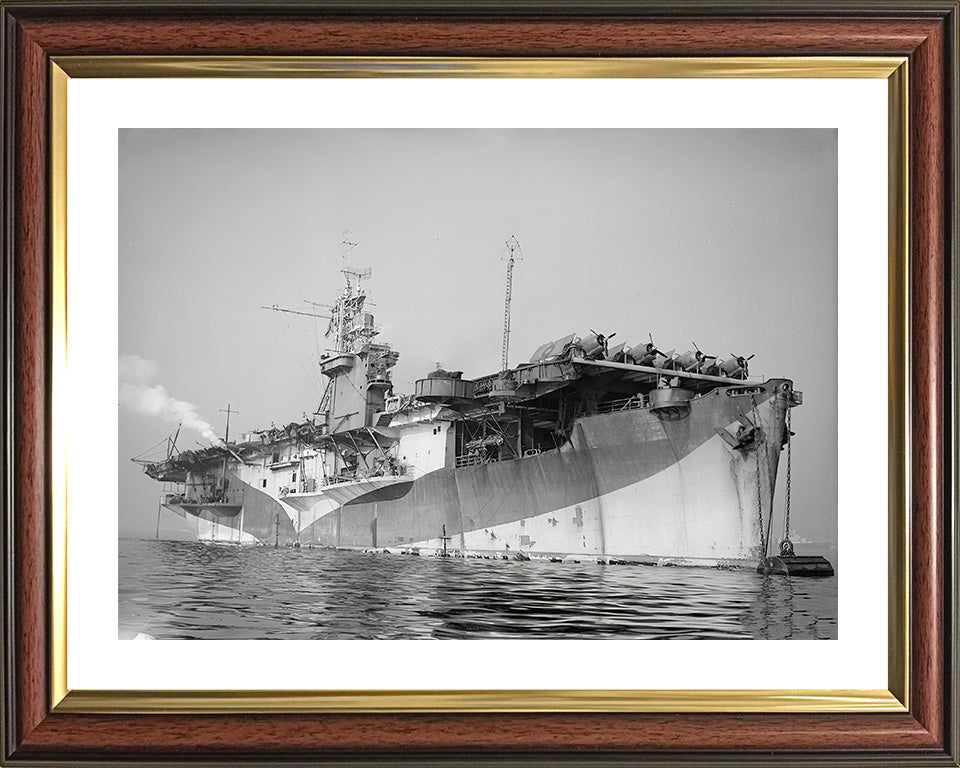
587,451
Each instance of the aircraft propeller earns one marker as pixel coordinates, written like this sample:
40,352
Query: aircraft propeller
700,358
737,366
647,354
603,341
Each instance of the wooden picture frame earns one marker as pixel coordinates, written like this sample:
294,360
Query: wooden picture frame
41,725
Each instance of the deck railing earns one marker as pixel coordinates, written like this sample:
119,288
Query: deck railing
338,479
626,404
473,459
231,496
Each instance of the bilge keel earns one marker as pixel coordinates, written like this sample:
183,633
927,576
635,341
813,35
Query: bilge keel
586,452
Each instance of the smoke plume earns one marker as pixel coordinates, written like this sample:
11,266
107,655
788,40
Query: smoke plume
138,394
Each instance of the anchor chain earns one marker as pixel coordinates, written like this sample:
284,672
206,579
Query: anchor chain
786,546
759,501
757,449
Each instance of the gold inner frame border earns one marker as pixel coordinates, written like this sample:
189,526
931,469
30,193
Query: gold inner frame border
895,699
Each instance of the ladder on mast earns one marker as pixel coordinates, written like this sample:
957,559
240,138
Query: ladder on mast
511,252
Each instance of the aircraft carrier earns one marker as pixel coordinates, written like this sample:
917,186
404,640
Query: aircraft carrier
586,452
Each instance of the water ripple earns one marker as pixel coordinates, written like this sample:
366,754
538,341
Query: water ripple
182,590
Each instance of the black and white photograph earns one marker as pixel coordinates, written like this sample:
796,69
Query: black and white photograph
491,383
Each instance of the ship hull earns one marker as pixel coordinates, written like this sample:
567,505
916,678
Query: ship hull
632,486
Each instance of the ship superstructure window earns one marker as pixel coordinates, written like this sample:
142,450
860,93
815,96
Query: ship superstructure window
264,481
294,478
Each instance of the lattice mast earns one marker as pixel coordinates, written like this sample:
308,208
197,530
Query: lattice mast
511,253
349,335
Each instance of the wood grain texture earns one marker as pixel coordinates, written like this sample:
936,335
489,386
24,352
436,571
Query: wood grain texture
862,738
426,37
302,734
29,375
929,411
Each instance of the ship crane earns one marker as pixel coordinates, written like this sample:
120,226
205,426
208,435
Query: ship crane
511,252
172,442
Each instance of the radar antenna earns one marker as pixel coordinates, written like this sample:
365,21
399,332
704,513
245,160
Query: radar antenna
511,252
347,244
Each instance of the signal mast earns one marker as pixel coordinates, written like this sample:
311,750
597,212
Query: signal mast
511,252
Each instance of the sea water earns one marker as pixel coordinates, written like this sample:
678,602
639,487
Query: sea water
185,590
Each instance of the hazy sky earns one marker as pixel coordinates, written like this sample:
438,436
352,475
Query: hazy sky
723,237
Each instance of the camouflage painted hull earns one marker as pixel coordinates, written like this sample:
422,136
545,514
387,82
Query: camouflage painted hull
631,485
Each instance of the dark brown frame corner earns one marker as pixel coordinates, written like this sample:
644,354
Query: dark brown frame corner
34,34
